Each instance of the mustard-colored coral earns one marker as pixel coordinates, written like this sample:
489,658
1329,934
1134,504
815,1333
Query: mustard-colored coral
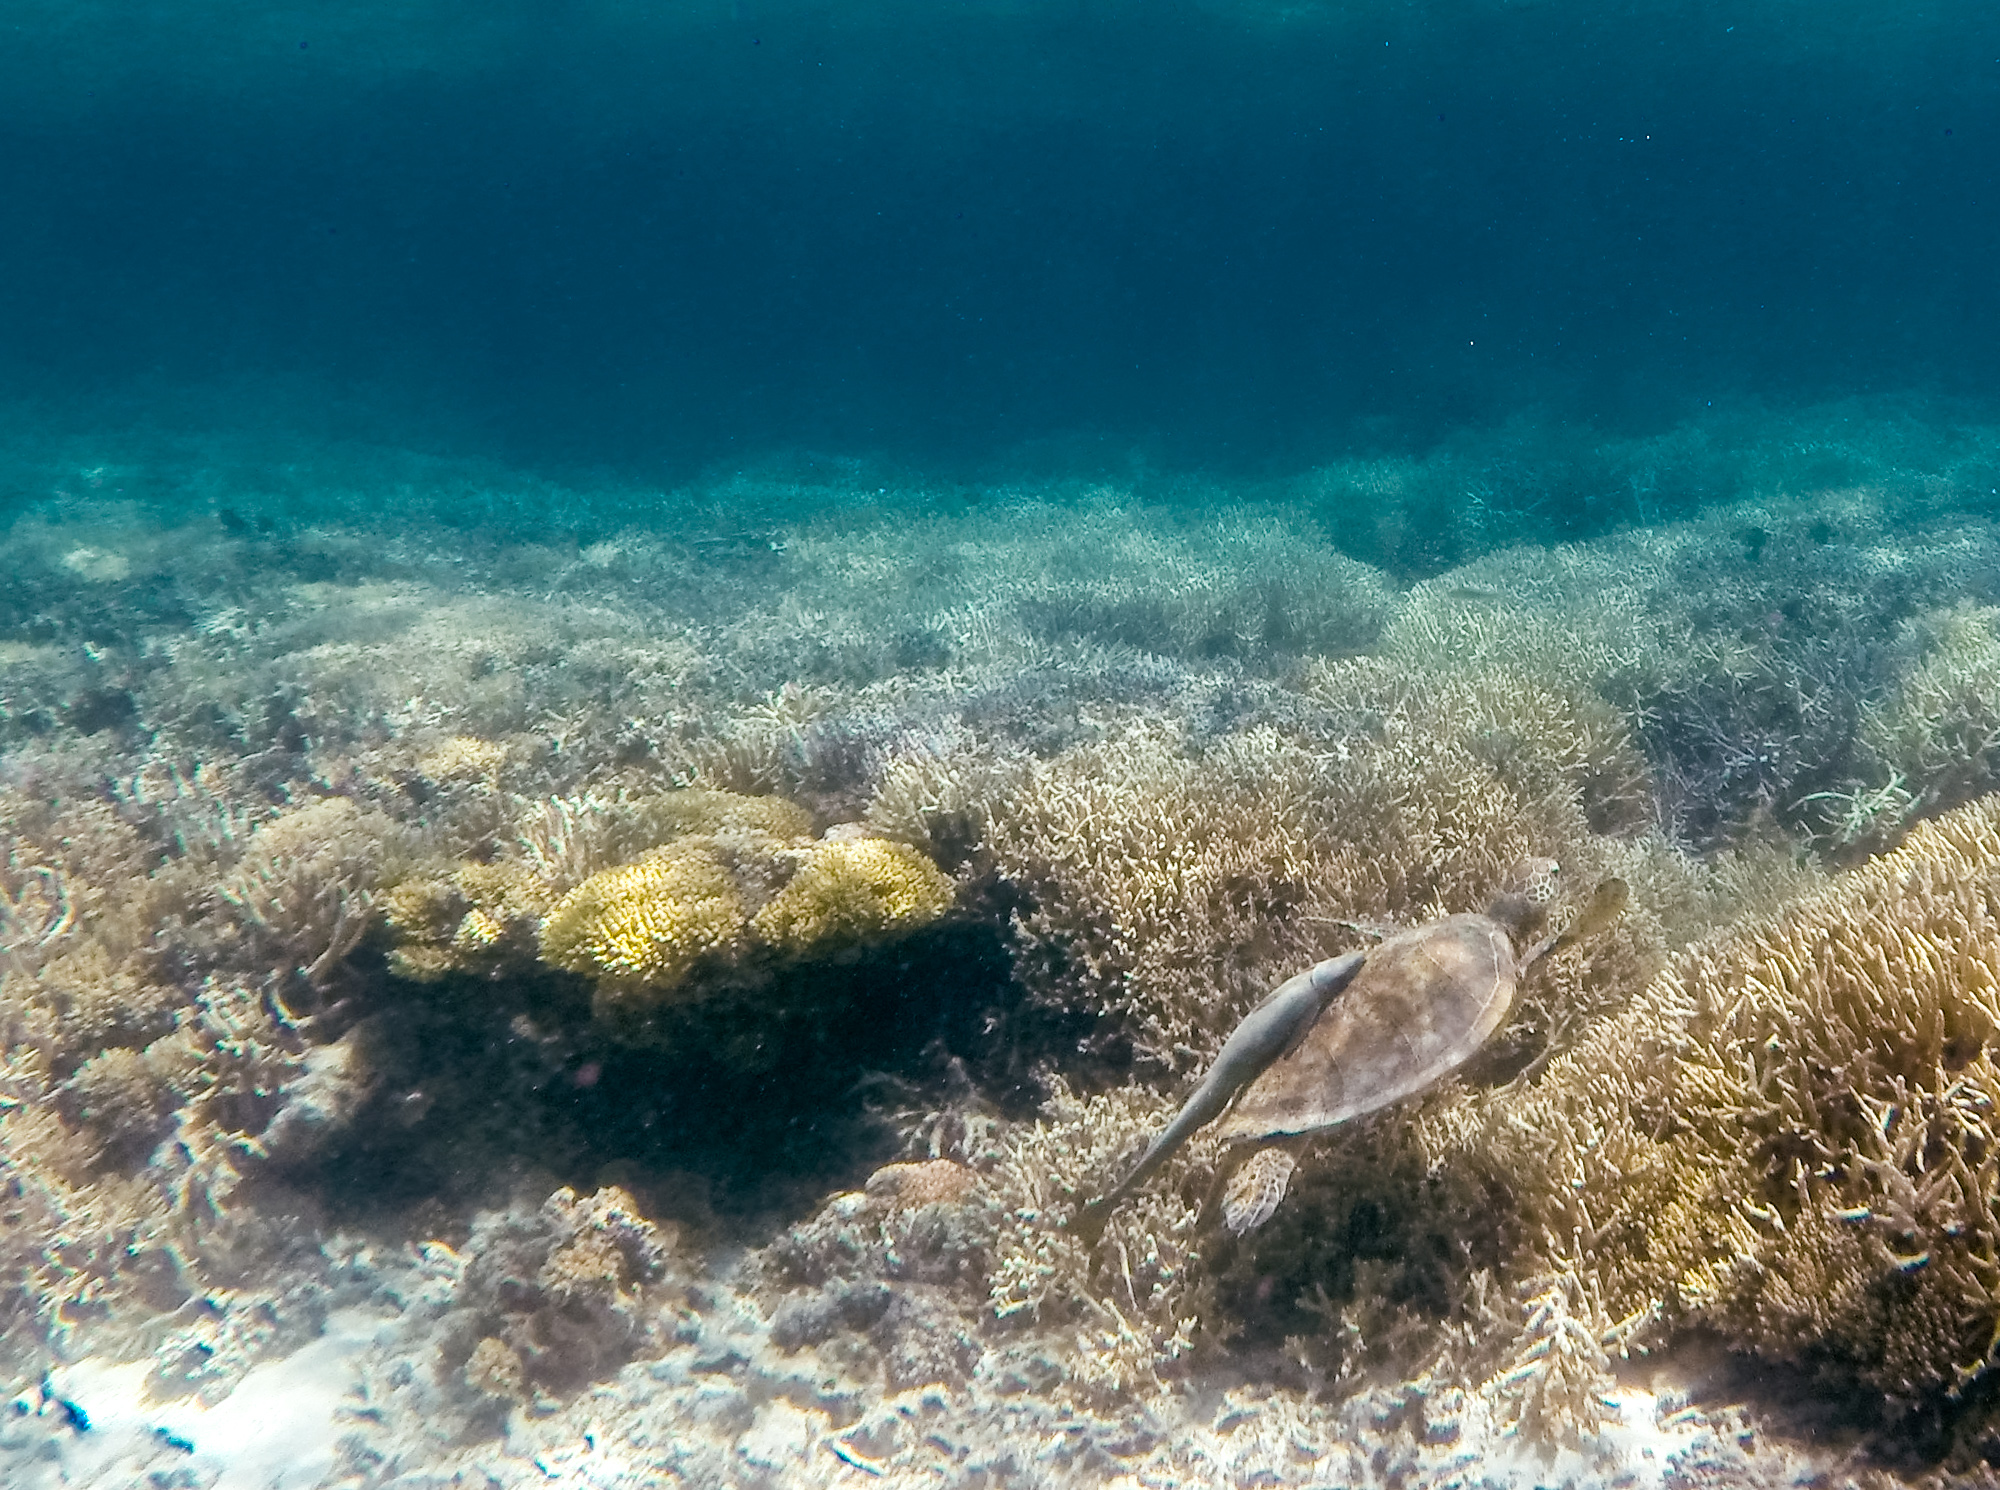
648,922
854,890
698,810
702,871
486,917
475,920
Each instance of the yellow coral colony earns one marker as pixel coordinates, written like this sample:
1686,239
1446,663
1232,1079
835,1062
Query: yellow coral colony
854,890
707,879
649,921
1793,1136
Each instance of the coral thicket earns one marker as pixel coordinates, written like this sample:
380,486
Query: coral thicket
1788,1137
853,890
702,888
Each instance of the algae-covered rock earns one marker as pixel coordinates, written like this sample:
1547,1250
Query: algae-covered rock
562,1296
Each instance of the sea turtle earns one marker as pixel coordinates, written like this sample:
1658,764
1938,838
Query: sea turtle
1425,1002
1415,1008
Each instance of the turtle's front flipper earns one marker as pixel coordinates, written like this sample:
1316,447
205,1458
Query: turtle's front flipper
1268,1032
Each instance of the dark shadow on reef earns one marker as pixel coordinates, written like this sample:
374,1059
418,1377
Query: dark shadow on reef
743,1107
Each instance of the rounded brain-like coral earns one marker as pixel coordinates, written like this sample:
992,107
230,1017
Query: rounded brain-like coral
854,890
649,921
908,1186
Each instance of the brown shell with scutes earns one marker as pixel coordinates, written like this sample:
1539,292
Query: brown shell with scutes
1420,1008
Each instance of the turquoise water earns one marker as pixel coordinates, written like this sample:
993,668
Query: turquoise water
668,674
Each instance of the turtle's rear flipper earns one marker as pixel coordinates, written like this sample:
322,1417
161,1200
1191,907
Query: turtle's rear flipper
1256,1188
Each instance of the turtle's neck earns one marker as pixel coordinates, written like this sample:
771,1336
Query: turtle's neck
1521,916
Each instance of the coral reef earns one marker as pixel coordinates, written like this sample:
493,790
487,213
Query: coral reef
1939,730
1782,1141
1132,1327
860,888
721,886
1785,1138
648,922
1171,886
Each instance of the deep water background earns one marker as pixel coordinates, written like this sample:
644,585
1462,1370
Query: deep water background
965,236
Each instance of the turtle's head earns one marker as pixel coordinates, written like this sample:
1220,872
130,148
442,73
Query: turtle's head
1525,896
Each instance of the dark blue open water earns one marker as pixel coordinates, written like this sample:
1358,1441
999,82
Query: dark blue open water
1240,237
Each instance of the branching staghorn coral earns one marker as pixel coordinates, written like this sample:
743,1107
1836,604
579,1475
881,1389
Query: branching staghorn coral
150,1033
562,840
1131,1324
1171,885
36,913
1545,735
937,803
1740,649
302,894
198,812
73,1241
1555,1388
1938,735
111,1253
862,602
1789,1137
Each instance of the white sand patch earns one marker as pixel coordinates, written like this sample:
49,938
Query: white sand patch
98,565
277,1430
1633,1452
